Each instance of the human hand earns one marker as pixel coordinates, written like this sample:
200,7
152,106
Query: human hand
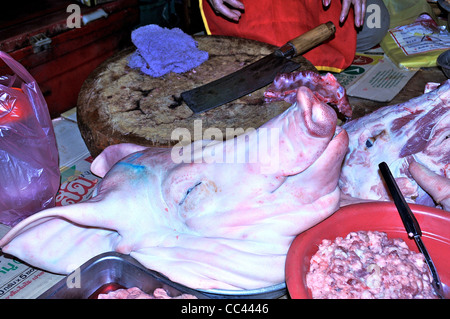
437,186
359,7
228,8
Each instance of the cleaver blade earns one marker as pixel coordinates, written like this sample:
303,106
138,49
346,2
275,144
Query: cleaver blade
256,75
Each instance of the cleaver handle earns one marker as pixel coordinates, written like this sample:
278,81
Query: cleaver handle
307,40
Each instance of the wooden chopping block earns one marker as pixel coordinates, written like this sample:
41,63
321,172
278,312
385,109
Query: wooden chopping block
117,104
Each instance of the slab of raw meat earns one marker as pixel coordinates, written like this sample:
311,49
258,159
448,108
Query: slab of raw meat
401,135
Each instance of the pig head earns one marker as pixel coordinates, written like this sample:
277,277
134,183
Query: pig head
413,139
208,215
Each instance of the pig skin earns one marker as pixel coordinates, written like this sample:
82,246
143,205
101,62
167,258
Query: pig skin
202,223
413,138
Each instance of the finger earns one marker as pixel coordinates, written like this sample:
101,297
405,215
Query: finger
357,9
232,14
221,8
360,10
326,3
436,185
235,4
344,10
363,11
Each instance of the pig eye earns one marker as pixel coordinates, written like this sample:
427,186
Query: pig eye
187,193
369,142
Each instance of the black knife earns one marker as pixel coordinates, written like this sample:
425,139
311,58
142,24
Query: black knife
256,75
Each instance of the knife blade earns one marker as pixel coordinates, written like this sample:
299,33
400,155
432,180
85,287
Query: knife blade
410,222
256,75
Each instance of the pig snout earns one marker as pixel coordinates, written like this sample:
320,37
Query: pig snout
326,88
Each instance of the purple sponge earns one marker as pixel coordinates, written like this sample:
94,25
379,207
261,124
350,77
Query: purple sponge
161,50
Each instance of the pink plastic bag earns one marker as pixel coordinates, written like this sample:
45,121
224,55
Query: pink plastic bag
29,168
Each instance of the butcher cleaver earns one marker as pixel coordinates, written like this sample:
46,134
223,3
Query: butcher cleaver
256,75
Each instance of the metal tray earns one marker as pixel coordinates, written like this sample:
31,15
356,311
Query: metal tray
271,292
110,271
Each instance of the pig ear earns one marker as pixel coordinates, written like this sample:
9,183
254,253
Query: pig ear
49,240
111,155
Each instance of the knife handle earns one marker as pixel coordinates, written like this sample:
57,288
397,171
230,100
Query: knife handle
307,40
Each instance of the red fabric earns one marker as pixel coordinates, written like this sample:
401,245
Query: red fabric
278,21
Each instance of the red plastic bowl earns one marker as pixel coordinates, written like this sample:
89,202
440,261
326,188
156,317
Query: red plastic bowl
380,216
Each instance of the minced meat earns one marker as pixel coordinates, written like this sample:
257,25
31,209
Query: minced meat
368,265
136,293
